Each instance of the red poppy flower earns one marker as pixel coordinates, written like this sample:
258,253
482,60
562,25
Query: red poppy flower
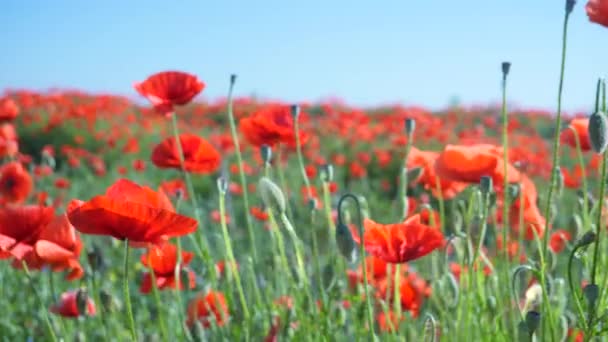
270,125
259,214
68,305
20,228
203,308
168,89
8,109
199,155
401,242
130,211
597,11
580,127
425,160
175,188
57,246
162,260
558,240
15,183
470,163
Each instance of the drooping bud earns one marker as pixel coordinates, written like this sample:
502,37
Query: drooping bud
587,239
295,111
591,292
532,321
266,152
327,173
272,195
598,132
506,66
410,126
346,243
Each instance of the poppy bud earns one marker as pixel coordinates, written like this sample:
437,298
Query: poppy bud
295,111
346,243
266,152
410,126
327,173
587,239
96,259
312,204
485,185
532,321
570,6
232,79
559,180
222,185
506,66
513,191
591,292
534,296
82,300
598,132
272,194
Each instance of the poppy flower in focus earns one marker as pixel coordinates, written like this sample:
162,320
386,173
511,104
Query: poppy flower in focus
130,211
68,305
208,308
20,228
168,89
401,242
579,126
597,11
8,110
162,260
57,246
15,183
270,125
199,155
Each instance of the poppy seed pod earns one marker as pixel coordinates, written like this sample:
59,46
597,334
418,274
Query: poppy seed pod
346,243
506,66
598,132
295,111
410,126
272,195
266,152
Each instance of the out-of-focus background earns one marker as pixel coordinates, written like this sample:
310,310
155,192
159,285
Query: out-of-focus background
430,53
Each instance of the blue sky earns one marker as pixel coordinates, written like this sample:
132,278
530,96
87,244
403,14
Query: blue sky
366,52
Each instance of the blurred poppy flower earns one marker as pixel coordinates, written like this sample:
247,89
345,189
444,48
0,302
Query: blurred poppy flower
130,211
8,109
579,126
168,89
175,188
558,240
20,228
259,213
270,125
68,305
162,260
401,242
597,11
57,246
207,309
199,155
470,163
15,183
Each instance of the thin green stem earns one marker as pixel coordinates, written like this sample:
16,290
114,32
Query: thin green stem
178,290
127,294
296,128
45,314
243,179
159,306
231,260
599,226
199,244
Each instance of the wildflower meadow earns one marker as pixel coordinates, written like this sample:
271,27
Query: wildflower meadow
174,219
